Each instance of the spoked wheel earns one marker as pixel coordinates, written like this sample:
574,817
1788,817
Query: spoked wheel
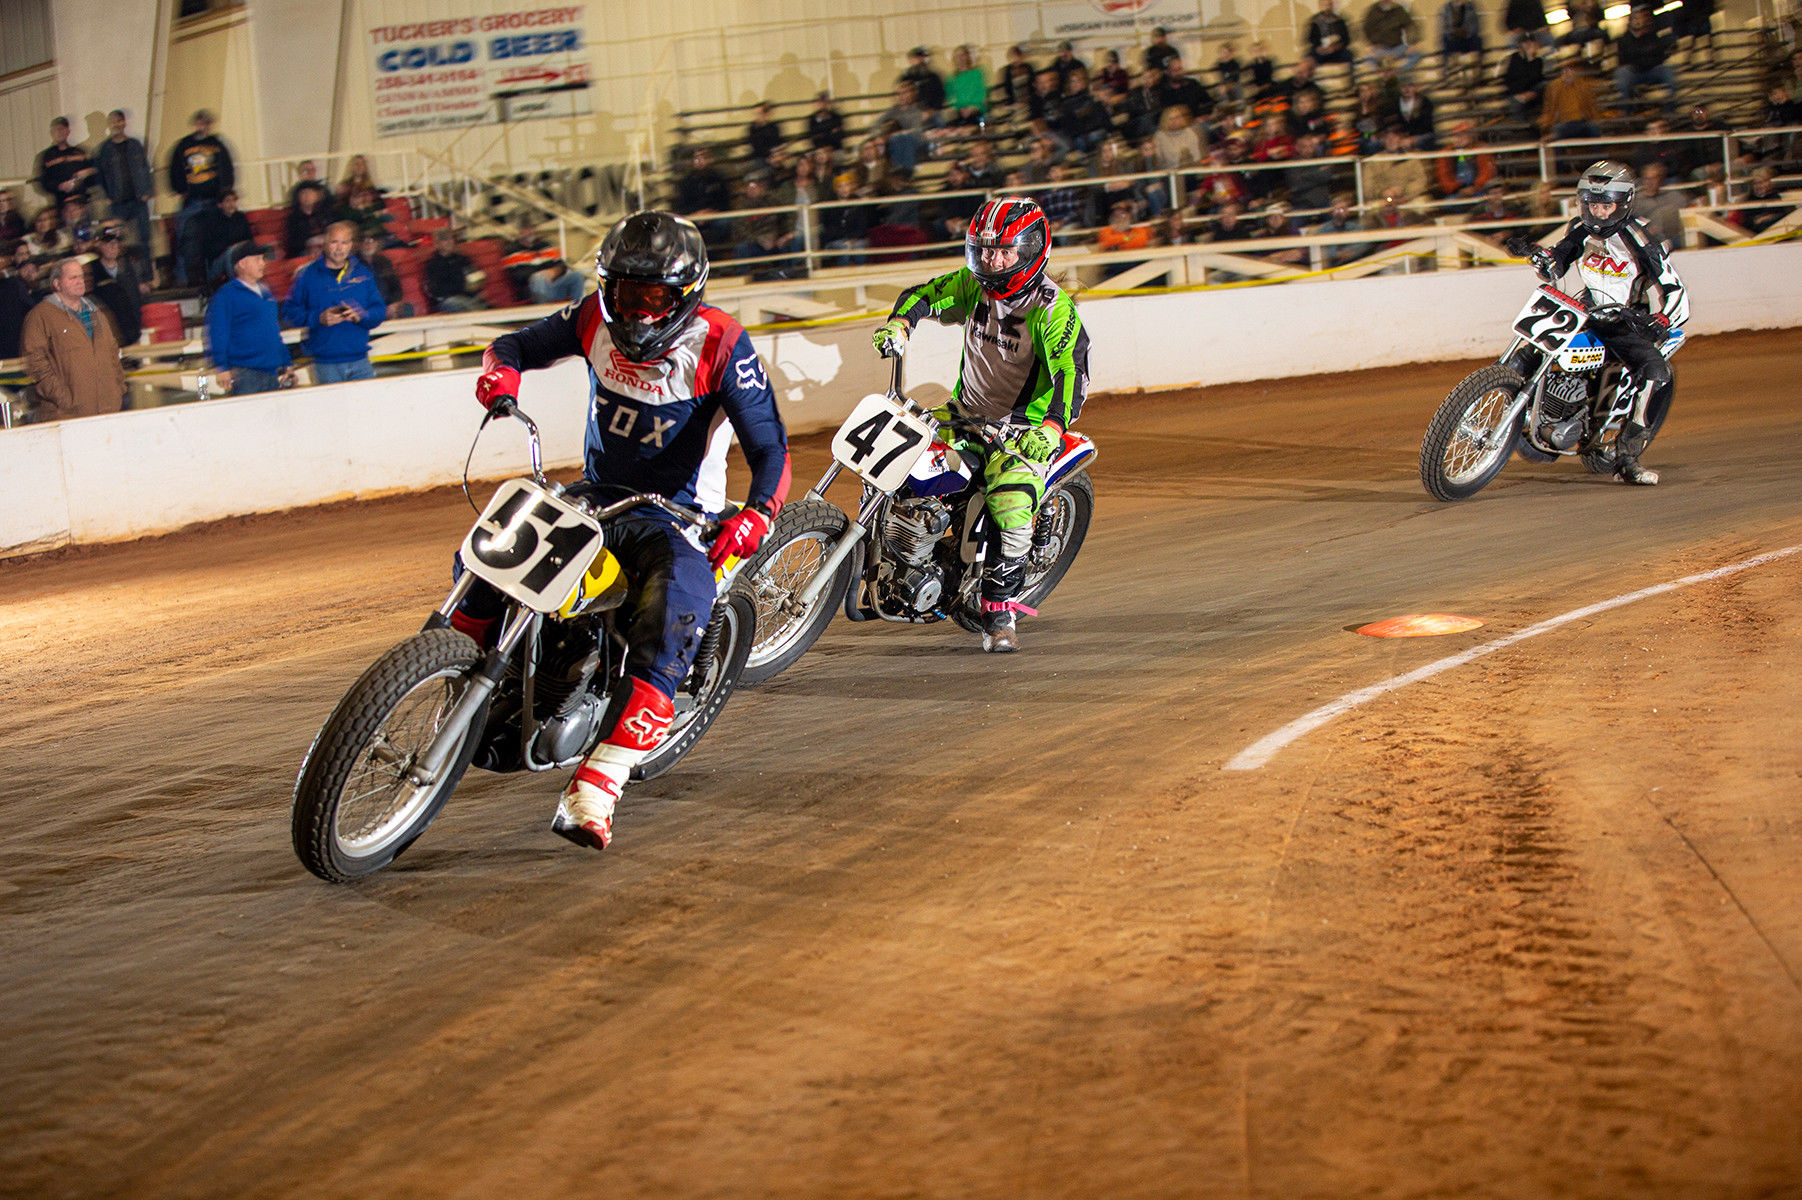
357,803
705,692
1472,434
791,555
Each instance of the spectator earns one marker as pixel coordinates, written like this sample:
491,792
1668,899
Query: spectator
1406,177
1120,233
1415,112
845,226
1311,184
763,235
763,134
1570,109
1305,116
200,171
1390,30
1116,158
387,278
125,176
356,179
118,284
1178,143
1081,119
702,190
1765,205
1067,207
1341,219
48,238
306,174
1674,156
1659,207
1145,104
556,284
243,334
218,230
1221,185
1278,224
1391,212
12,224
1695,23
967,93
450,279
1180,88
1301,83
369,214
307,219
928,84
1159,53
78,221
1230,70
951,216
1066,62
1523,79
825,125
336,298
1017,79
1496,207
1175,228
1527,17
1228,227
1585,32
1260,72
1642,51
71,349
1329,38
1113,76
873,162
1460,42
525,256
983,171
15,299
1046,94
1464,175
1369,115
62,168
904,125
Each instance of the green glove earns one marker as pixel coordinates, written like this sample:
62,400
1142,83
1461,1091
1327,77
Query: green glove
1035,445
890,338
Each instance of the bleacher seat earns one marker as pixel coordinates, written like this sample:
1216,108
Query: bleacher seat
163,319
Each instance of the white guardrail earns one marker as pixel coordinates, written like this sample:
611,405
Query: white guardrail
136,473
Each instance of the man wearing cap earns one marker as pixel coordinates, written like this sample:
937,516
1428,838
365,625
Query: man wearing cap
1160,51
200,172
243,333
929,85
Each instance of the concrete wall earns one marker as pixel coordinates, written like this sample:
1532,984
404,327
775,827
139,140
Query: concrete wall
130,474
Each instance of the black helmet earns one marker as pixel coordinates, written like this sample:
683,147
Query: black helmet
1605,183
653,270
1008,223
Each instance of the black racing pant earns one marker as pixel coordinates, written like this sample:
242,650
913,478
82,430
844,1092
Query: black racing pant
1647,365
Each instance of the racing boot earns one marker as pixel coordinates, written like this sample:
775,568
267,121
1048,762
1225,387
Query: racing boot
999,635
1633,442
585,813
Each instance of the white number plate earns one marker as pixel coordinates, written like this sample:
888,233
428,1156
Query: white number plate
882,441
531,545
1549,320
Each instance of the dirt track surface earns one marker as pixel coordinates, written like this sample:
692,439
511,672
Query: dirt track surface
917,922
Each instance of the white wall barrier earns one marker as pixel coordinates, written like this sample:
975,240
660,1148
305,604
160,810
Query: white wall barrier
137,473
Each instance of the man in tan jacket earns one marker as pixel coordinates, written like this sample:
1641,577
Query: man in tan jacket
71,350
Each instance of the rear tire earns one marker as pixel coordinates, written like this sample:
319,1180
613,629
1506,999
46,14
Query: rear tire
738,616
354,810
1466,445
792,554
1070,506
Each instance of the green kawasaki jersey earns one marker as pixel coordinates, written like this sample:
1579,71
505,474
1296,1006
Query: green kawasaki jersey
1025,362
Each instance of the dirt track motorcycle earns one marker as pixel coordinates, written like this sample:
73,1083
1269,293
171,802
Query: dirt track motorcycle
915,549
1556,391
401,739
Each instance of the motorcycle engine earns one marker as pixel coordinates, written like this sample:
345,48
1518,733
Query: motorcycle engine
909,583
569,715
1563,410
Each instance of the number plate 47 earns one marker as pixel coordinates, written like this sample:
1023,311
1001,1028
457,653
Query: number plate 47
881,441
531,545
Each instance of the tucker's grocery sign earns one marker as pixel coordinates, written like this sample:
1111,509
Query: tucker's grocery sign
456,71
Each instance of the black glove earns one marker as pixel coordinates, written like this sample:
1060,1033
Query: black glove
1544,263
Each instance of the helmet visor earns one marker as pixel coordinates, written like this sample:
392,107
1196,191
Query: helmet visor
640,300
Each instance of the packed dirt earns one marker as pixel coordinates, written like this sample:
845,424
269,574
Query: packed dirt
914,921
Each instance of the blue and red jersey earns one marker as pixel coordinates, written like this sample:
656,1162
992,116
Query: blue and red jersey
664,426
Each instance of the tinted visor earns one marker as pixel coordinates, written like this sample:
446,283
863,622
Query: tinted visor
641,300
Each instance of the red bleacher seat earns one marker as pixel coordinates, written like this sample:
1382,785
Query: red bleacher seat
420,231
280,275
400,217
163,319
887,236
485,255
269,225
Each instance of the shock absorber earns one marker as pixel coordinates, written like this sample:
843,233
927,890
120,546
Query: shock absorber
710,644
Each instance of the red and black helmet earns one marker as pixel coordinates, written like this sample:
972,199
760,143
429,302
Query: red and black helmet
653,272
1008,223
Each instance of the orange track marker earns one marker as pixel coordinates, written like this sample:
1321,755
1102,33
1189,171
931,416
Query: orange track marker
1420,625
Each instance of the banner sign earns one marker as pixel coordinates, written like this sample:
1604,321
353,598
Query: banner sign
1115,18
499,67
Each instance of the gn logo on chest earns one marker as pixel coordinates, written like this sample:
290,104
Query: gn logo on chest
1601,264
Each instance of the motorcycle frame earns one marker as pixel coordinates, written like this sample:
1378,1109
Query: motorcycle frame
1527,409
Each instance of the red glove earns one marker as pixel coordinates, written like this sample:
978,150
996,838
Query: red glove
493,386
739,535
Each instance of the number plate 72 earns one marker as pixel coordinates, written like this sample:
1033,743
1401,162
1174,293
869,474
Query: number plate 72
881,441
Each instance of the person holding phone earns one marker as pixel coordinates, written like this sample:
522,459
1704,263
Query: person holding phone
336,297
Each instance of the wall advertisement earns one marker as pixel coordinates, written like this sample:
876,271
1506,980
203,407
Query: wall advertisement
1102,18
498,67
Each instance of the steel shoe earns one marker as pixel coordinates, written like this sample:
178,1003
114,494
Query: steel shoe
1628,470
585,814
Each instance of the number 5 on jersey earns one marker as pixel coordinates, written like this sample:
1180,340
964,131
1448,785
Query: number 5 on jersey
881,441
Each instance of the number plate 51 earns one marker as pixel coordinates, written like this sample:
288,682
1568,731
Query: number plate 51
531,545
882,441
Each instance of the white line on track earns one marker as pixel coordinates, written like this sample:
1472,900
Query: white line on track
1267,747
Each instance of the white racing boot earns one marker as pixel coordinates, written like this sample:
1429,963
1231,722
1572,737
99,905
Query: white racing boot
585,814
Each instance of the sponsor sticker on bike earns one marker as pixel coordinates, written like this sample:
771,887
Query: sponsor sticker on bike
532,545
881,441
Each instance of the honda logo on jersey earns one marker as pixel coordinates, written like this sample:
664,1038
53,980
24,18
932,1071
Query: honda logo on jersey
1601,264
624,371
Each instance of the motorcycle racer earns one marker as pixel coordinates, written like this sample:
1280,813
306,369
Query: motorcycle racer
666,374
1023,379
1621,264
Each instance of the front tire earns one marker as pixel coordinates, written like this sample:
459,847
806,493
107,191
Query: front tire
1472,434
355,810
792,554
698,709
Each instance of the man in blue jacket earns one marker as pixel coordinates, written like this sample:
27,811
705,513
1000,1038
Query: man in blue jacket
335,296
243,336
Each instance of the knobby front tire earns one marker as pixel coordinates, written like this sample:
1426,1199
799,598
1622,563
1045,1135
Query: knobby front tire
1472,436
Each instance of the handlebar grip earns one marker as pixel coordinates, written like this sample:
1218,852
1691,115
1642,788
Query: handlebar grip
503,406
